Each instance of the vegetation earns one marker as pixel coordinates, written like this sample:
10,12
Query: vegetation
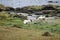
52,10
9,33
12,20
13,28
51,25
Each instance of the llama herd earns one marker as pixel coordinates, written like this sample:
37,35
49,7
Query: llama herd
30,20
41,17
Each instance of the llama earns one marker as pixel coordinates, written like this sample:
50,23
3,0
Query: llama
27,21
41,17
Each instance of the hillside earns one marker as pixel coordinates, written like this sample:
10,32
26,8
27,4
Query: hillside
46,9
12,25
53,10
32,9
10,33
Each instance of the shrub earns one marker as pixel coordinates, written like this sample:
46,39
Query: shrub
3,15
20,16
46,34
15,25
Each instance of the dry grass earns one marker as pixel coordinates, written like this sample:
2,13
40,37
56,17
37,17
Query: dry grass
24,34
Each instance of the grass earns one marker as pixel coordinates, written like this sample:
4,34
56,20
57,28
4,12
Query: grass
14,29
51,25
11,33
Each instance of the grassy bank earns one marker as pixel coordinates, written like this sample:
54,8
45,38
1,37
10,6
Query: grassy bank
50,25
10,21
24,34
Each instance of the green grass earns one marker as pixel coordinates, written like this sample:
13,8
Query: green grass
41,24
30,31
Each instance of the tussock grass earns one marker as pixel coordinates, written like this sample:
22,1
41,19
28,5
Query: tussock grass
12,33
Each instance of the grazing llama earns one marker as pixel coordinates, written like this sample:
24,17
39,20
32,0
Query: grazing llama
41,18
27,21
